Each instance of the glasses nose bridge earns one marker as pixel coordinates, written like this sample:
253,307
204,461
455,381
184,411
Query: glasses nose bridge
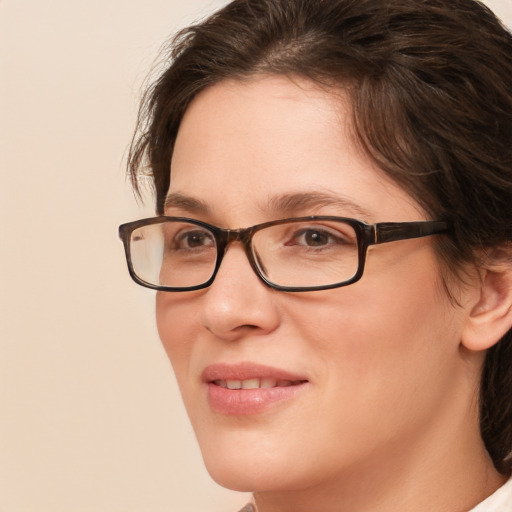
228,236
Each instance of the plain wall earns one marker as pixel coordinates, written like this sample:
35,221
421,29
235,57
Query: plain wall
90,416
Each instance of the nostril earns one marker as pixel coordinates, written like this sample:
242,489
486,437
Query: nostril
235,332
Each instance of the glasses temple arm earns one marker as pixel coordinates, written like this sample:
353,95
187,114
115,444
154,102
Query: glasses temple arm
392,231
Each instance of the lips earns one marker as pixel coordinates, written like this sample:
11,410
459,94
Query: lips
249,388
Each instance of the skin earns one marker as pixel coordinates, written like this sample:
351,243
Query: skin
388,420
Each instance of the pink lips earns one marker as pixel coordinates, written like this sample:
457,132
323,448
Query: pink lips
249,388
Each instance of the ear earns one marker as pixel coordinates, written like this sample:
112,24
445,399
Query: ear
490,315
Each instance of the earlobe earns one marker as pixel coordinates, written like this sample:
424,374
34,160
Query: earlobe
490,317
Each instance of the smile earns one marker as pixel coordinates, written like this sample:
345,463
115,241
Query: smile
249,388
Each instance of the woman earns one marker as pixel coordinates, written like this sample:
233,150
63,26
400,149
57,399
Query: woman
332,251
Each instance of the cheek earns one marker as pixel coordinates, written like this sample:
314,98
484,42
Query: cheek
390,342
389,308
402,343
176,323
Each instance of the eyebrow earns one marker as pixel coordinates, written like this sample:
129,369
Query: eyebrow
300,201
186,203
283,205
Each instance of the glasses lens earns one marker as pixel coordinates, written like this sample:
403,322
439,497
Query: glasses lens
307,253
174,254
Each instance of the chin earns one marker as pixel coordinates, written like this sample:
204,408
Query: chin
236,479
250,465
242,467
249,477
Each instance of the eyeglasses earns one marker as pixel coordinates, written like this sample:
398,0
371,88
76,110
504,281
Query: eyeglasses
299,254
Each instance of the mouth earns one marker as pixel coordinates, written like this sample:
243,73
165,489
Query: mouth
257,383
247,388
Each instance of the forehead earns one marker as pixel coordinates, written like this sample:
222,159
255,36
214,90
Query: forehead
265,118
242,143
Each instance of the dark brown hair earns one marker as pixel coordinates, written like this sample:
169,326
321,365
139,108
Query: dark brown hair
431,88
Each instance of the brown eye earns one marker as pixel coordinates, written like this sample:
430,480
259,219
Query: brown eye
193,240
316,237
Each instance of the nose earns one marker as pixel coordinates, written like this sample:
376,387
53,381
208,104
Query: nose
238,303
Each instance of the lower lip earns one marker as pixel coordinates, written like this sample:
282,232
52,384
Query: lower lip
249,401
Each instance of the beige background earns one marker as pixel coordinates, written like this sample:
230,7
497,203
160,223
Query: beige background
90,417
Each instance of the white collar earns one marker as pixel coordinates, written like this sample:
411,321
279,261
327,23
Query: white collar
500,501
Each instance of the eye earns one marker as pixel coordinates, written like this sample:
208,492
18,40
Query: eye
193,239
316,237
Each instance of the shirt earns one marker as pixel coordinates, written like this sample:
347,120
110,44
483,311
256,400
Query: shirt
500,501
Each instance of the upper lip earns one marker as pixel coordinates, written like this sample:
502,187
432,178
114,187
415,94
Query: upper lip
248,370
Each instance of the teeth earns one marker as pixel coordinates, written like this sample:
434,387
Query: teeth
268,383
253,383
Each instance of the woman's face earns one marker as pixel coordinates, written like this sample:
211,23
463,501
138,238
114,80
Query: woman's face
357,374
